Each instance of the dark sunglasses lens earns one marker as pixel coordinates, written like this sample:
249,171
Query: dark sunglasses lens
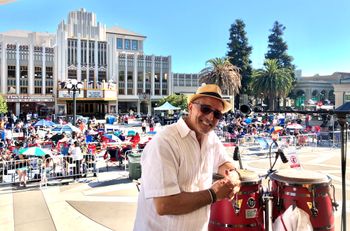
205,109
217,115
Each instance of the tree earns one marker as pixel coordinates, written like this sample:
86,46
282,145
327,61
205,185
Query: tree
272,82
222,73
3,105
238,54
177,100
278,48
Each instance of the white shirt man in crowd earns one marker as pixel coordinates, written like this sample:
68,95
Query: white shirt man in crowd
178,165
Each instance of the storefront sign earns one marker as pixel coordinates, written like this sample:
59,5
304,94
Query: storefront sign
27,98
66,94
94,94
110,94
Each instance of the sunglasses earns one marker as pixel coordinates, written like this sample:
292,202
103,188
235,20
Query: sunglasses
206,110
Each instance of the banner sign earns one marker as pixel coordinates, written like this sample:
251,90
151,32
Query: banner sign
293,158
65,94
94,94
27,98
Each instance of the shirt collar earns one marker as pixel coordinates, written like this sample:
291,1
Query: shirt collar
182,127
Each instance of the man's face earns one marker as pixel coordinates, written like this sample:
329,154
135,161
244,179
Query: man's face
203,123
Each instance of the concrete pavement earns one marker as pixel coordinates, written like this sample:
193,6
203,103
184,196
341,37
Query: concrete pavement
108,202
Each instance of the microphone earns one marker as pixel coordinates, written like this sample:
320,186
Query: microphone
281,154
237,157
236,153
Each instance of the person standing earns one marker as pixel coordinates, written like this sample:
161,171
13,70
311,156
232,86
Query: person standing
77,157
144,125
178,166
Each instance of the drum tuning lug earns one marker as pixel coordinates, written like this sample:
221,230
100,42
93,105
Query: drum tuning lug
236,208
314,211
335,206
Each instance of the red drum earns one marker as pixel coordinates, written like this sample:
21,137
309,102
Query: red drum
307,190
245,212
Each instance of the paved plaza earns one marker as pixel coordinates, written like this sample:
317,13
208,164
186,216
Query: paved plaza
108,202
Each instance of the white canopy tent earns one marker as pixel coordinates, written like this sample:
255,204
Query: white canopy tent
166,107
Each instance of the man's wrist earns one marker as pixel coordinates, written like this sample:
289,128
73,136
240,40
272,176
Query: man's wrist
212,195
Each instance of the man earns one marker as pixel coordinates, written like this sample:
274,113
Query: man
77,157
178,165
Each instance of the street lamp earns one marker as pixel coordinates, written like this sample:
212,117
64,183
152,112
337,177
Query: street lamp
74,86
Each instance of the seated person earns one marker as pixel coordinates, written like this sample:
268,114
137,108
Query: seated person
135,139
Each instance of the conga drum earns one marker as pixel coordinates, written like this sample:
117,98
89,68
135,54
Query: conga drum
307,190
245,212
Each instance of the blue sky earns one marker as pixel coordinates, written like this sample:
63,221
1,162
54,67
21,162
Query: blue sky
192,31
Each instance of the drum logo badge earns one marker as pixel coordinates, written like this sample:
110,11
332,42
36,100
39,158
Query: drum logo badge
251,202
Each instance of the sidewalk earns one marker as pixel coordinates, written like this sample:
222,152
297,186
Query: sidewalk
107,202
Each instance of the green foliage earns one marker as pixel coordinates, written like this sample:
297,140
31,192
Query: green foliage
3,105
272,82
222,73
278,48
176,100
239,52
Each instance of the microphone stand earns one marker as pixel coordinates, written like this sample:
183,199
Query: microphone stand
344,138
271,165
341,113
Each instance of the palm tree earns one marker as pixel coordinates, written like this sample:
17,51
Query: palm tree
272,82
222,73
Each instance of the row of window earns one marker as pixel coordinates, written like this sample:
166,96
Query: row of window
129,91
87,56
25,56
127,44
12,47
185,80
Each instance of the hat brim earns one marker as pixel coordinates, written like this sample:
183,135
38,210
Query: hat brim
227,105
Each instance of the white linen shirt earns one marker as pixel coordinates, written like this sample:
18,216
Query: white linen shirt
173,162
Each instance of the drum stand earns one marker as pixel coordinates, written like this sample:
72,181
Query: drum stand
344,139
267,200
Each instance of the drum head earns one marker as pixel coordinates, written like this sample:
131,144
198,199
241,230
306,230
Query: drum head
299,176
248,176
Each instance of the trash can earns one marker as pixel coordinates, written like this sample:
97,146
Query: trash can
134,160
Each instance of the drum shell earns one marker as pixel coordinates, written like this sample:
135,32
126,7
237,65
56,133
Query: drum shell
249,217
303,195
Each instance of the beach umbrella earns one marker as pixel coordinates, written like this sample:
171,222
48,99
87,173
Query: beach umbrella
68,128
113,138
276,129
248,120
295,126
44,123
35,151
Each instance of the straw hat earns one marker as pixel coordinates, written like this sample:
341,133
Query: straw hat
210,90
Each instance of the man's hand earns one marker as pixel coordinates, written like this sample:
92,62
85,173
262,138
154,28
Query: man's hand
223,189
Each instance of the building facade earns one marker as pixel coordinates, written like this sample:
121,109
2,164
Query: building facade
116,75
27,64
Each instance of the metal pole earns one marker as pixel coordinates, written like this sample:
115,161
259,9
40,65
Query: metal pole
74,105
343,133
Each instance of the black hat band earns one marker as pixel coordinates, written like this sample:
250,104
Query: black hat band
211,94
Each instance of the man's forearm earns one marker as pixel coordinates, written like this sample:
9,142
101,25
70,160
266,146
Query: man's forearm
182,203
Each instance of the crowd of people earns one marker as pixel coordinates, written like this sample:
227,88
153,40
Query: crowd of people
83,141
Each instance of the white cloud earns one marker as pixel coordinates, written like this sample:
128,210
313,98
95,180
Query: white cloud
3,2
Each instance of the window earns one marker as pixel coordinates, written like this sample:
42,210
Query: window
134,45
119,43
127,44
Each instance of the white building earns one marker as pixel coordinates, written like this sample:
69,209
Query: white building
116,74
26,70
